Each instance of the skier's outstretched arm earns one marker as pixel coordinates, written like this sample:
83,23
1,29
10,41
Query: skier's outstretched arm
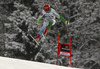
39,18
60,17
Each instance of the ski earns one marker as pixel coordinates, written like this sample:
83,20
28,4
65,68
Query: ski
34,39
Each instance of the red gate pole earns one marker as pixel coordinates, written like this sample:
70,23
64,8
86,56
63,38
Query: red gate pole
58,51
70,54
57,60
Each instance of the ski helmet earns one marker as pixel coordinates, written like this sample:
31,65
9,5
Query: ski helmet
46,7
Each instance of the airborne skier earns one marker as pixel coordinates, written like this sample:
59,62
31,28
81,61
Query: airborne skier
49,14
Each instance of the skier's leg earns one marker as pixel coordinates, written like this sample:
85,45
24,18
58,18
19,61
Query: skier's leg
51,22
37,37
45,24
42,29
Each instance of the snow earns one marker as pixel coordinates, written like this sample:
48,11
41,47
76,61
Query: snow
14,45
7,25
10,36
9,63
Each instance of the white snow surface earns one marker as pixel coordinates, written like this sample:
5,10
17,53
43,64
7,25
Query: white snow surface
10,63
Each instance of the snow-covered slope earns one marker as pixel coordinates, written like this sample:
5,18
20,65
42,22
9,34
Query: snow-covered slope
9,63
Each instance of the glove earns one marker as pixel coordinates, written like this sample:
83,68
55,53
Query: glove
38,21
66,22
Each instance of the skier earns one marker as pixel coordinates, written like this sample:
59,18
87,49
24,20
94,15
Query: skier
49,14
